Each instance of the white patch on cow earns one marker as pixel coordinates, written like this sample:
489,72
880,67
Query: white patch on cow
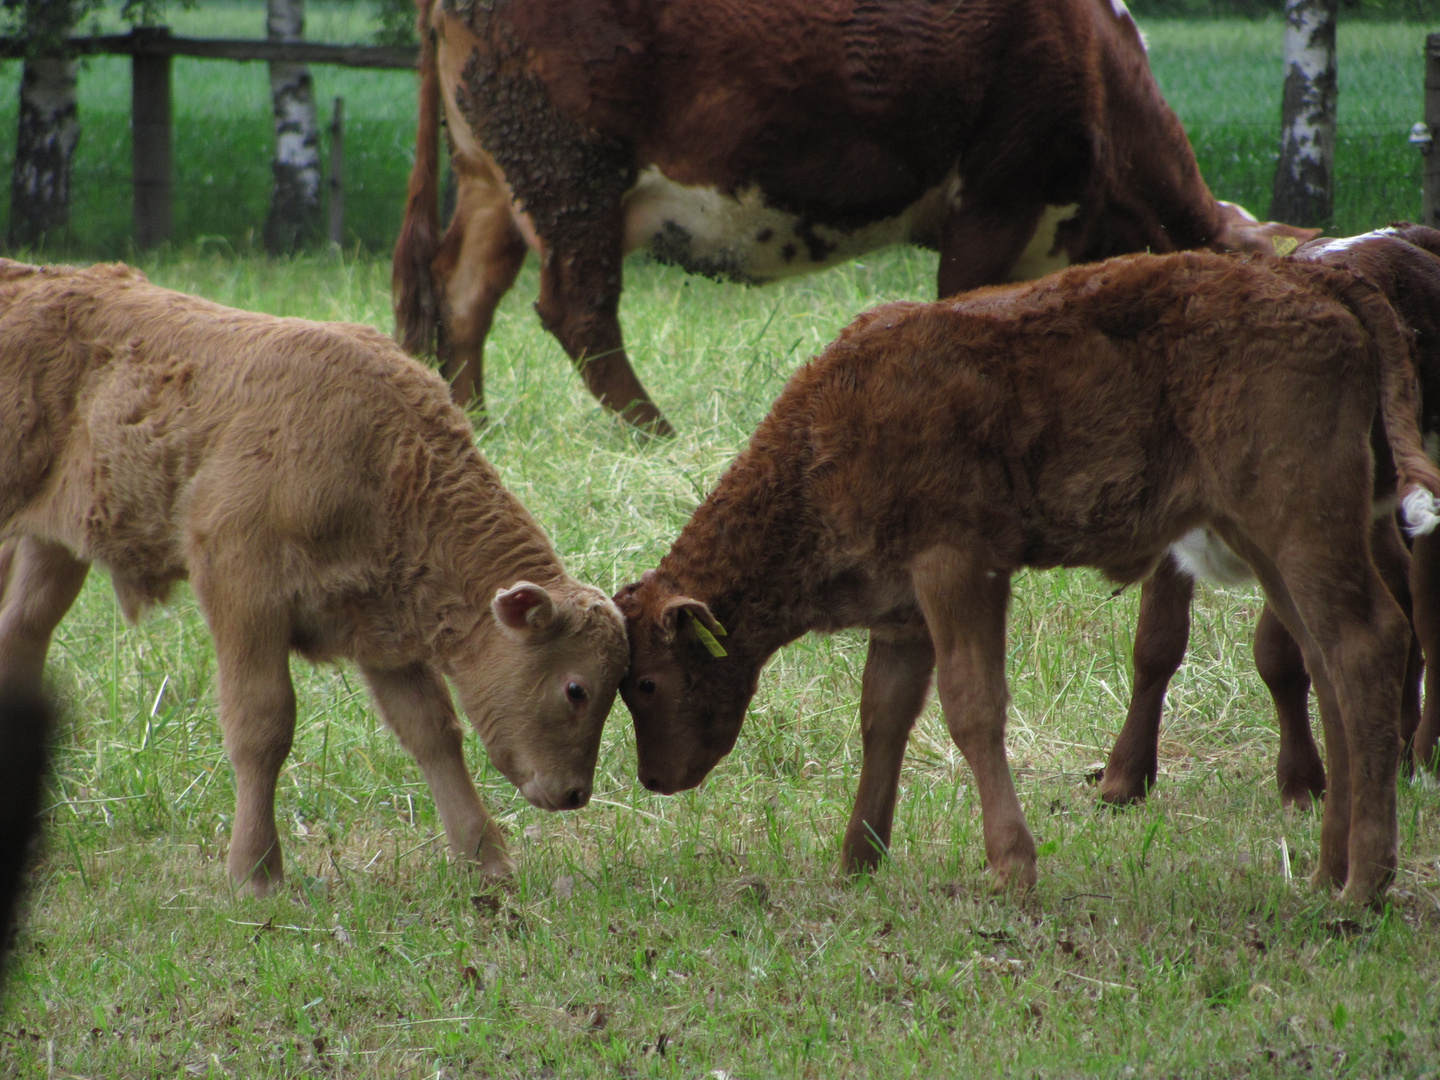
1202,554
1422,512
1345,243
743,238
1040,256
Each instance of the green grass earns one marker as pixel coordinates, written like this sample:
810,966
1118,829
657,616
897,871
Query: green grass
1223,78
675,937
1160,942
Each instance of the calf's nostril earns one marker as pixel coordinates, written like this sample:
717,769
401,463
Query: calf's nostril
650,782
578,798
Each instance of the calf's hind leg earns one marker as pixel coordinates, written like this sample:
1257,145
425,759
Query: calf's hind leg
38,583
964,603
1355,638
894,689
416,705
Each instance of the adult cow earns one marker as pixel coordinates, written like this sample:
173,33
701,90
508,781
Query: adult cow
756,139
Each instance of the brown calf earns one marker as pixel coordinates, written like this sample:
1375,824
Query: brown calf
1403,261
323,495
1091,418
750,140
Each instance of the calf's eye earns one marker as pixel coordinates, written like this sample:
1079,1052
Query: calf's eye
647,686
576,693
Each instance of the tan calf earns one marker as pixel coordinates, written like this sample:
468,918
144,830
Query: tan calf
323,495
1089,419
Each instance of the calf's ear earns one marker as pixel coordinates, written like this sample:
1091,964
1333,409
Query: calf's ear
682,610
523,606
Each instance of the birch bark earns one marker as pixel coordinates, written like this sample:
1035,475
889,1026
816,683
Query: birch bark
294,218
1304,189
48,129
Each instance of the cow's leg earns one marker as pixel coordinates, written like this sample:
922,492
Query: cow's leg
478,260
894,689
1354,637
580,304
1161,635
416,705
38,583
980,242
964,605
257,715
1425,591
1392,560
1299,771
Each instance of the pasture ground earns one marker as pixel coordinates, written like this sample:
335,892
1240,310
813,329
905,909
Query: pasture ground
707,934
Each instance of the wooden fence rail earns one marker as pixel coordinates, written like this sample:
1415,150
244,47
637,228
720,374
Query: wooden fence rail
151,49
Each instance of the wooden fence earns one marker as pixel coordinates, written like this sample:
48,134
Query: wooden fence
151,50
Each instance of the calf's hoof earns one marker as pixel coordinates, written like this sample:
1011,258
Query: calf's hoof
256,874
1015,876
1301,784
1118,790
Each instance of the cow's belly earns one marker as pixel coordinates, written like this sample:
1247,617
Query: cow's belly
743,238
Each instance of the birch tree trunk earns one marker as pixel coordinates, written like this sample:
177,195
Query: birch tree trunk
295,199
1304,191
48,129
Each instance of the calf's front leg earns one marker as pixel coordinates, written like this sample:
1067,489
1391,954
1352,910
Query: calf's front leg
964,603
257,714
38,583
893,691
416,705
1162,633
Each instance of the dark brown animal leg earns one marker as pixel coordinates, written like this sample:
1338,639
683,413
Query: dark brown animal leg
1425,586
257,714
981,242
895,686
478,260
1392,560
964,604
416,705
1354,637
38,583
580,304
1299,771
1161,635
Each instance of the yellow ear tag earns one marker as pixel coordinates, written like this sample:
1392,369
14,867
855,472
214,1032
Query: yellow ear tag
1284,245
708,639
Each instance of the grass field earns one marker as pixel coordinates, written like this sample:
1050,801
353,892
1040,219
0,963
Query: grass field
708,935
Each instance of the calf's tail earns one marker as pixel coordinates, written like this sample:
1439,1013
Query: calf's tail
1417,480
412,286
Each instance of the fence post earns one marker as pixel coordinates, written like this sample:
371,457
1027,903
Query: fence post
151,133
337,174
1430,212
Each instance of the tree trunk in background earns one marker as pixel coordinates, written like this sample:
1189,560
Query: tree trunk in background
295,199
48,129
1304,190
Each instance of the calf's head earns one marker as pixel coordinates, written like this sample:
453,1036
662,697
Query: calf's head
687,687
539,689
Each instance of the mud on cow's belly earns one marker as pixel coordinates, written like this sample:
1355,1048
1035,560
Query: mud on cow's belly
743,238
